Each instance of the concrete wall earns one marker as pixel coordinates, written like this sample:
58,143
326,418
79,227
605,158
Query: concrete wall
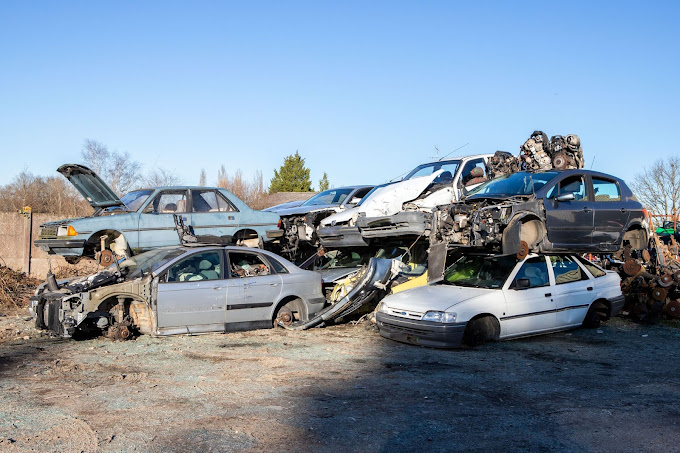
12,240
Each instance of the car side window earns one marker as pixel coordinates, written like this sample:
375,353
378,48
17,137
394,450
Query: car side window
224,204
359,194
243,264
536,271
208,201
168,202
474,172
574,184
606,190
566,270
595,270
278,267
199,266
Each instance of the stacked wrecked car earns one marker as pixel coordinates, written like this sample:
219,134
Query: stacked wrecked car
452,223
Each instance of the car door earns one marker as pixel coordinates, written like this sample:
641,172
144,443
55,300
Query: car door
156,222
253,288
213,214
569,221
573,291
531,308
192,294
611,214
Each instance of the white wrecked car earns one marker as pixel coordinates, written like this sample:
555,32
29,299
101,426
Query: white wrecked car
398,209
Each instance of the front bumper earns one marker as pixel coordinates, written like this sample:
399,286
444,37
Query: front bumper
341,236
411,223
64,247
422,333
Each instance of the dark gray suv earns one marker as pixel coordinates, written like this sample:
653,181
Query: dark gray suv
572,210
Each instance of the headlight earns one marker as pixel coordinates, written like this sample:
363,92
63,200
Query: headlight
439,316
382,307
66,231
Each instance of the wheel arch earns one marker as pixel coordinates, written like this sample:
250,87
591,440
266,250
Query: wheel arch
494,319
93,243
286,299
636,234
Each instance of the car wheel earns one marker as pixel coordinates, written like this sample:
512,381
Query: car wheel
480,330
595,315
288,313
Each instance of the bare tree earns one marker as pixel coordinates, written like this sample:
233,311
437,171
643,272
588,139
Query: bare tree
658,186
52,195
159,177
202,179
118,170
252,192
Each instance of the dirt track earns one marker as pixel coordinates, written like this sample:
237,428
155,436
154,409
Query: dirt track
344,387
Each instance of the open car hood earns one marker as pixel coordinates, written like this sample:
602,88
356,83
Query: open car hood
91,187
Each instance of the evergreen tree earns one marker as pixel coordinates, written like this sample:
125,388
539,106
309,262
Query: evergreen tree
293,176
323,183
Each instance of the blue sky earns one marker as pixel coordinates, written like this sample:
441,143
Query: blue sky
364,90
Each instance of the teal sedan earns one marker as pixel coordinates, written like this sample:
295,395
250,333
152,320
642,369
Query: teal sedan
143,219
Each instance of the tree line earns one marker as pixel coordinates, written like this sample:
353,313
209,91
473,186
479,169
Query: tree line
55,195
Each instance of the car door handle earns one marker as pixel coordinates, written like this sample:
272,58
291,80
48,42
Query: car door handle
217,288
590,288
586,209
273,284
548,294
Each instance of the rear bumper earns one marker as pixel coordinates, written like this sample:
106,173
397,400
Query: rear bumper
64,247
341,236
617,304
422,333
274,234
411,223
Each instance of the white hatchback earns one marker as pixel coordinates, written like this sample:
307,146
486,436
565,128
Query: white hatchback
485,297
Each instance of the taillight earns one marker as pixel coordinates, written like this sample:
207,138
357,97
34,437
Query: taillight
280,224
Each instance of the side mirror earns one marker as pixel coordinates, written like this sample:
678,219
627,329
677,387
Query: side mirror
522,283
566,197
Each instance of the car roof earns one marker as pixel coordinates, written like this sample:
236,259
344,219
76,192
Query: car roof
449,159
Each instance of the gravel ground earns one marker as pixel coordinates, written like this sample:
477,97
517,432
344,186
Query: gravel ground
344,387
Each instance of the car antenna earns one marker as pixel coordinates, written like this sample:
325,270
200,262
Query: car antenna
460,147
592,162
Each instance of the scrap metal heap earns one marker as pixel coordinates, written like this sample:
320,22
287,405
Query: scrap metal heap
651,282
539,154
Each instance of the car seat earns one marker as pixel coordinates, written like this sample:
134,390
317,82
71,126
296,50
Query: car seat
206,269
170,207
536,276
476,176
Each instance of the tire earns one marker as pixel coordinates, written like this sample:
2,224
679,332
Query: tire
290,312
480,331
597,312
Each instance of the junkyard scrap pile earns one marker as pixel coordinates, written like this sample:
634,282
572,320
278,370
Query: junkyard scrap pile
15,287
650,281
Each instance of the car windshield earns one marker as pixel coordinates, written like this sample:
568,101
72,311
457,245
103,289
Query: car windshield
480,271
520,183
337,259
135,199
144,263
427,169
331,196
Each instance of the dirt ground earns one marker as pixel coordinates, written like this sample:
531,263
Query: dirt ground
344,387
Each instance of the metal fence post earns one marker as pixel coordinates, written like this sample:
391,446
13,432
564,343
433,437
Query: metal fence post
28,238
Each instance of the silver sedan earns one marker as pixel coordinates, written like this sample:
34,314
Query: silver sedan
182,289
